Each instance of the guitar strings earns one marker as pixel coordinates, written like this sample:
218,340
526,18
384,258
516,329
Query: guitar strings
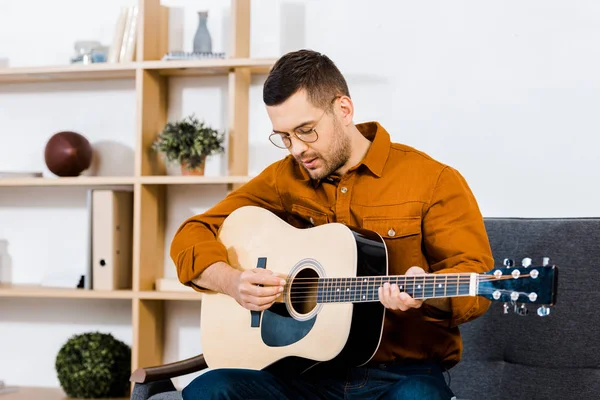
459,275
331,282
315,297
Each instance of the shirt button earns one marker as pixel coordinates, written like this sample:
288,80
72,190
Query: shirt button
391,232
344,189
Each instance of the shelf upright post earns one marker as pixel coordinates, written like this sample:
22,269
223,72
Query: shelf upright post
239,87
149,200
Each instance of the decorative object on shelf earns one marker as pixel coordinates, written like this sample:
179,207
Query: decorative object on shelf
21,174
94,365
5,263
68,154
185,55
202,39
124,41
88,52
189,142
7,389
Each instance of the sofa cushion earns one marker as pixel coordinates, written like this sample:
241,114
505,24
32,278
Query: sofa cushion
532,357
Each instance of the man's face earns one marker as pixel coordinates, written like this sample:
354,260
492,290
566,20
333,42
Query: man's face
298,116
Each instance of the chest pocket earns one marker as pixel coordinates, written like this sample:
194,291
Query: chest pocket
402,236
309,216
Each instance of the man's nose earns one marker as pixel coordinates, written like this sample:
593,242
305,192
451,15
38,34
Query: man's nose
298,146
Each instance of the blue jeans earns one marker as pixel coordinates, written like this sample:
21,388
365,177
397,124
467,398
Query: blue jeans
385,382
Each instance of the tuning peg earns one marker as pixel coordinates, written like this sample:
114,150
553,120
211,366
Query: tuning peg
546,261
522,310
543,311
526,262
508,262
505,308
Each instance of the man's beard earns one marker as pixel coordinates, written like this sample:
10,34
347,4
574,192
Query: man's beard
336,157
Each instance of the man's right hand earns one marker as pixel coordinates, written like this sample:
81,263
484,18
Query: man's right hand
246,291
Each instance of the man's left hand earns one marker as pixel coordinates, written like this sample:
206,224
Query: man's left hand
392,298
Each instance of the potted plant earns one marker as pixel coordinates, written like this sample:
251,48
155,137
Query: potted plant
189,142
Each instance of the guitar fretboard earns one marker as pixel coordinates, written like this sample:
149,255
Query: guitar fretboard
365,289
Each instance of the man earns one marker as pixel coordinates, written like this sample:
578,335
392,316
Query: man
352,174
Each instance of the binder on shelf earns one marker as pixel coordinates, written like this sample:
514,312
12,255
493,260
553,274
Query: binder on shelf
112,239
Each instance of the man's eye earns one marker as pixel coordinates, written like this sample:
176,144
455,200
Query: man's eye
304,132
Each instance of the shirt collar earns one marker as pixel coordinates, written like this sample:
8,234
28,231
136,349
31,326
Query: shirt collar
376,156
379,150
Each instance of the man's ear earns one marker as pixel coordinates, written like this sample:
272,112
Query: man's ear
346,108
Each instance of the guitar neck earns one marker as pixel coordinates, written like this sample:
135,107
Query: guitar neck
365,288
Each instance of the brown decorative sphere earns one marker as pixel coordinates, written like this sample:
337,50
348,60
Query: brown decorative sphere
68,154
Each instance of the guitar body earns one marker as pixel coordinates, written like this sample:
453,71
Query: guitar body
303,329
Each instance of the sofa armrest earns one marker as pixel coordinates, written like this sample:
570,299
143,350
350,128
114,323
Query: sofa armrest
167,371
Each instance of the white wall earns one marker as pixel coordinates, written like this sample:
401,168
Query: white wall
507,92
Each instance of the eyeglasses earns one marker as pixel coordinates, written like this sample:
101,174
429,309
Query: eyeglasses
284,140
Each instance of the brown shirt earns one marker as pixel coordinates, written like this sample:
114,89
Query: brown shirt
422,208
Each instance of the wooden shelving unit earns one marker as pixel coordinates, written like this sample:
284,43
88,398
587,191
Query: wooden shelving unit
151,76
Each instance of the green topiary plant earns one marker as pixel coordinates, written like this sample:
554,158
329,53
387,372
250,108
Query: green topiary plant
94,365
188,142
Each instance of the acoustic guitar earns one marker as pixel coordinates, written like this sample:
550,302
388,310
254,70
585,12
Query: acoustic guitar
329,310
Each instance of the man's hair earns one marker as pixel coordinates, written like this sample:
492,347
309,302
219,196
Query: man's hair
308,70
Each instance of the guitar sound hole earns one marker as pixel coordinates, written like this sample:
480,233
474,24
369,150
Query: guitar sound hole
303,293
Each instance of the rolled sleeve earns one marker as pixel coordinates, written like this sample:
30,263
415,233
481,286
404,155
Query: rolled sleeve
455,241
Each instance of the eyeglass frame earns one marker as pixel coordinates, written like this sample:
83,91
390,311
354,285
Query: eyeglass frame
295,133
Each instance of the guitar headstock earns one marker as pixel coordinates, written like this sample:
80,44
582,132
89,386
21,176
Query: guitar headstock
518,286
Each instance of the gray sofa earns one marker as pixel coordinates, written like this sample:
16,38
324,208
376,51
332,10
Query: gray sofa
506,356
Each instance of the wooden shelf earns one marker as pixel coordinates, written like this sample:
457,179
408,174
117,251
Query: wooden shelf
37,291
35,393
102,71
123,181
69,181
192,180
208,67
74,72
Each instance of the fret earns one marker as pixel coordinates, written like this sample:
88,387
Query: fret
347,289
319,291
445,285
457,284
426,288
451,285
374,286
434,286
